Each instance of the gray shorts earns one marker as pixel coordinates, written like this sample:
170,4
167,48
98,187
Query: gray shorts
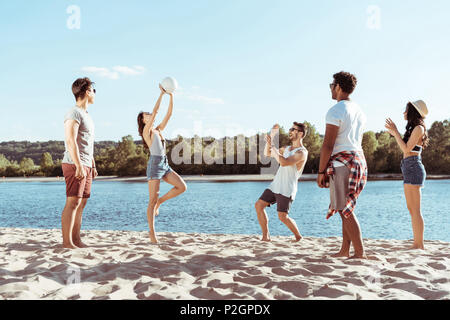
283,203
339,188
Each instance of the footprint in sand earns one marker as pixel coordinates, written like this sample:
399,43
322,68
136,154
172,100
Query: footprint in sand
284,272
401,274
254,280
211,294
317,268
182,253
329,292
437,266
274,264
404,265
297,288
440,281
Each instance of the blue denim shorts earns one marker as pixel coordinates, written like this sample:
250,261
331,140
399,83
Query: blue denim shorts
413,171
158,167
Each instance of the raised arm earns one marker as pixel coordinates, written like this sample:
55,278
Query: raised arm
285,162
268,146
416,135
163,124
146,134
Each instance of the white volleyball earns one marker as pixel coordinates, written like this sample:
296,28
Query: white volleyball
169,84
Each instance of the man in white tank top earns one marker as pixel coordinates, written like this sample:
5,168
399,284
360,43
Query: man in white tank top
283,189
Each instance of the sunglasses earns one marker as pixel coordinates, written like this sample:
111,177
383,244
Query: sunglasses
332,85
293,129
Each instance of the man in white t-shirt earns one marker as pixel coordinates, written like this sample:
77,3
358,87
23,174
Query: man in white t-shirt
343,167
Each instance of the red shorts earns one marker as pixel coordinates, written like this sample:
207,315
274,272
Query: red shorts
74,187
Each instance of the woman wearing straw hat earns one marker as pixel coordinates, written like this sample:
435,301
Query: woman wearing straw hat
412,144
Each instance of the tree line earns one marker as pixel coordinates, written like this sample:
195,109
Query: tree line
129,158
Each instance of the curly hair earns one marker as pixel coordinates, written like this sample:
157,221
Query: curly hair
414,120
346,81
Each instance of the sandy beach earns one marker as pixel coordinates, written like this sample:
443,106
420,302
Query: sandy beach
123,265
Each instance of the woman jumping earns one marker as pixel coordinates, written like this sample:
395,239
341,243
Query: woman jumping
158,166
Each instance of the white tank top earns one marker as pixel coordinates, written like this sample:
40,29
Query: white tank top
286,179
157,148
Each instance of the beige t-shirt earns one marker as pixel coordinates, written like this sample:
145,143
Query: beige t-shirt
85,137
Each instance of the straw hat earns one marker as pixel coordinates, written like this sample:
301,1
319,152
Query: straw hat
421,107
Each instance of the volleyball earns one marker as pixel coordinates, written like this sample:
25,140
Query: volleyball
169,84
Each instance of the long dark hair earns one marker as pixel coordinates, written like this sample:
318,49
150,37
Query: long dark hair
141,125
414,119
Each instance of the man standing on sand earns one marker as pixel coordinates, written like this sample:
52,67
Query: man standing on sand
78,163
282,191
343,166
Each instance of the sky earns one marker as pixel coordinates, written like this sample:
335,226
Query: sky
242,65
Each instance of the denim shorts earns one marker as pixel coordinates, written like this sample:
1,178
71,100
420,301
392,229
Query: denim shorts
413,171
158,167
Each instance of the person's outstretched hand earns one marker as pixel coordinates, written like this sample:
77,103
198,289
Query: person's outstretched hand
162,89
391,126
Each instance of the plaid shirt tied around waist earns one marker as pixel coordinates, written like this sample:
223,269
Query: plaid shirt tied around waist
356,163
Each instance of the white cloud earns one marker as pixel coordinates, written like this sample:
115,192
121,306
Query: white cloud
204,99
101,72
115,72
182,92
134,71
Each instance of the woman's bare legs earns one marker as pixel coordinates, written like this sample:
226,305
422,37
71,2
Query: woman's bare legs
179,187
153,188
413,197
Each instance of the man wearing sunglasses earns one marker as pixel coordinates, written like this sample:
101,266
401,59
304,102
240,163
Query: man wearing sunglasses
283,189
343,167
78,163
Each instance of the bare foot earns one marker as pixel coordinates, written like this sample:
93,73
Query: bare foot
153,239
415,247
80,244
362,257
69,246
297,239
266,239
341,255
158,204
